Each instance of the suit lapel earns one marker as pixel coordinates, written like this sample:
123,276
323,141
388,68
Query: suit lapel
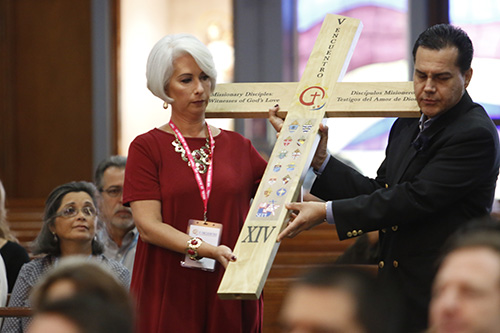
440,123
407,154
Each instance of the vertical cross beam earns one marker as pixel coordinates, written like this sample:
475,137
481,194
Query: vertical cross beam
256,246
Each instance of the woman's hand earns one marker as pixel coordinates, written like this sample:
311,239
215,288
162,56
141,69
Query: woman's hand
276,121
147,215
224,255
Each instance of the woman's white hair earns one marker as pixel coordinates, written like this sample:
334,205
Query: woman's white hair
160,66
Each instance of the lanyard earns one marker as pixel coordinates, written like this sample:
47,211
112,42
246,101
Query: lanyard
205,193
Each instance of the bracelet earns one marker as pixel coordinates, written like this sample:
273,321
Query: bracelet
192,248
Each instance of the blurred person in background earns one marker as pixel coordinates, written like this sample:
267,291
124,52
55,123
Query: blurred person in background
116,228
466,291
336,298
13,254
68,229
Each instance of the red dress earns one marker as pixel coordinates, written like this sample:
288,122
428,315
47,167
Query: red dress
171,298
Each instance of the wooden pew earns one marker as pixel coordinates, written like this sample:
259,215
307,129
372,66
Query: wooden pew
15,312
25,219
319,245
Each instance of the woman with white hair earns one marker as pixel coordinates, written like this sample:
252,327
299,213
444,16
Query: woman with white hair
188,170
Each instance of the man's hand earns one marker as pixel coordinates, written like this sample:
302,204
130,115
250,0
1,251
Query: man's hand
321,151
305,216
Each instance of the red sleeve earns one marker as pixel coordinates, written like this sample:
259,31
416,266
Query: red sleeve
141,173
258,165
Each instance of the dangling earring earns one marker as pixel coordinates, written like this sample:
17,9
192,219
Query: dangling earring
55,237
165,105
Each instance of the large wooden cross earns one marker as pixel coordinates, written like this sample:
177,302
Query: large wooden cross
305,103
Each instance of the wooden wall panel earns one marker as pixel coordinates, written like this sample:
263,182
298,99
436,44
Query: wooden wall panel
46,80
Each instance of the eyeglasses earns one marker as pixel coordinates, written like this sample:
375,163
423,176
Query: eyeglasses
71,211
114,191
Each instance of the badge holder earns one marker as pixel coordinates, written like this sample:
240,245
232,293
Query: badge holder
210,233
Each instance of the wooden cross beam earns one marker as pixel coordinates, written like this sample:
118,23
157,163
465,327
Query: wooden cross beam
348,99
305,104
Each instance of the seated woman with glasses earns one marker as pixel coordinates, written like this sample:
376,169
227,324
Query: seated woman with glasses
68,229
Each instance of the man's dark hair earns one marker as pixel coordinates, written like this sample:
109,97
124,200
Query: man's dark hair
441,36
376,305
91,314
112,161
481,232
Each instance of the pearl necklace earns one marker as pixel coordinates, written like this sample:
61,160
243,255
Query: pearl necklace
201,156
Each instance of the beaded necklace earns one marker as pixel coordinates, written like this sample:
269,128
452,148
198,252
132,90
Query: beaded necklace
201,156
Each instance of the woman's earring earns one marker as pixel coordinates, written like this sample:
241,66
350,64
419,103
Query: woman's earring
55,237
165,105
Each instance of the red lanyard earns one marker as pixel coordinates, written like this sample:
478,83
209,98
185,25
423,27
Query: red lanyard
205,193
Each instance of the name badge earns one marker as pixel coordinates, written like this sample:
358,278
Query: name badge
210,233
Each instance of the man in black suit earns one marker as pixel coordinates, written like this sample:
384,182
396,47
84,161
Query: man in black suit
439,172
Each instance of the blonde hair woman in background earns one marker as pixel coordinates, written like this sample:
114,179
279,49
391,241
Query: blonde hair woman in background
13,254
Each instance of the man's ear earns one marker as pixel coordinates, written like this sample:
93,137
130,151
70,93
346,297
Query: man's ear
467,77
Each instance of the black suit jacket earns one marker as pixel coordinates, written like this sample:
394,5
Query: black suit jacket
423,192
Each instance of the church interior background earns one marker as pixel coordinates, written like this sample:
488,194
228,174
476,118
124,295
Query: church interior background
382,54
